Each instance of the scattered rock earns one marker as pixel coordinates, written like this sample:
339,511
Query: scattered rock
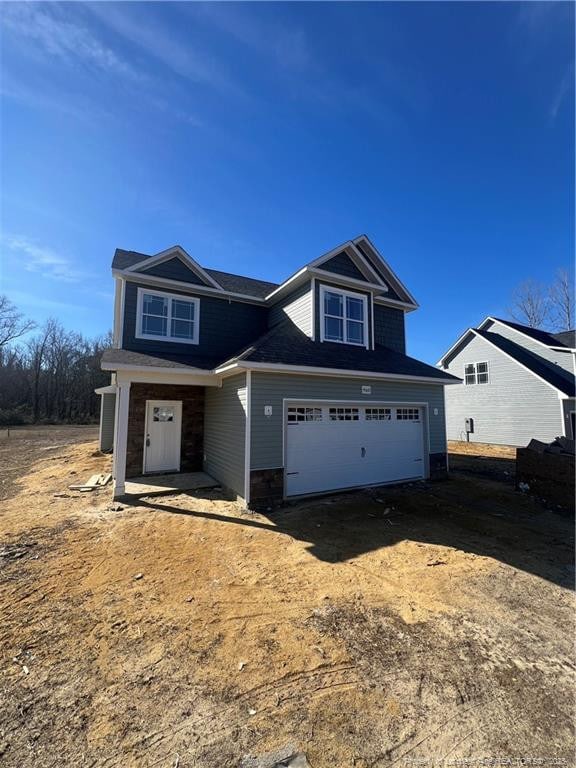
138,576
241,666
251,711
436,562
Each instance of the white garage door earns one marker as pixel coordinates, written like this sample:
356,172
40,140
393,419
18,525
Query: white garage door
341,445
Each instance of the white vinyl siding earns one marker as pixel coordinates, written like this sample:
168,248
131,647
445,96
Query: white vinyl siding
512,408
298,308
564,359
224,432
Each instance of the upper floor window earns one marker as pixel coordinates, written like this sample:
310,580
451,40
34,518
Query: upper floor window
167,317
343,316
476,373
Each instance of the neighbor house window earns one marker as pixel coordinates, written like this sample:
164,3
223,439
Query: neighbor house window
167,317
343,316
476,373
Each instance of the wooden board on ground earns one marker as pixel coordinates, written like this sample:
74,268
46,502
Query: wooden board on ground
95,481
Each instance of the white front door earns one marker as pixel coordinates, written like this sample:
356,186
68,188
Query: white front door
342,445
162,436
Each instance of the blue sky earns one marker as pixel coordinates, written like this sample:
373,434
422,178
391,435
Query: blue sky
261,135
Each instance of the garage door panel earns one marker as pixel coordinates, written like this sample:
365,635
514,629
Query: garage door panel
329,452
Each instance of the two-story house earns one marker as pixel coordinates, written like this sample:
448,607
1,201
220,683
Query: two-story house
518,384
276,391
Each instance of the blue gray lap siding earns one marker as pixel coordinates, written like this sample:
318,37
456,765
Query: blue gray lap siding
225,326
266,439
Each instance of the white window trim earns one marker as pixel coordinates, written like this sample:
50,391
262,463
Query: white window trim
180,297
352,294
476,374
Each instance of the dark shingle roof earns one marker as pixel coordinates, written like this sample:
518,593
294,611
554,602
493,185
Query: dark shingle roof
157,360
286,344
550,339
239,284
248,286
566,339
553,374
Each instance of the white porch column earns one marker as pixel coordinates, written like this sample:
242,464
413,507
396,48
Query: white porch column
121,437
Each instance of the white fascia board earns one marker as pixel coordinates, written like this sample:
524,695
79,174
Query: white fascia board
178,252
526,335
453,347
358,260
333,277
142,277
519,363
109,390
394,277
310,371
287,283
394,303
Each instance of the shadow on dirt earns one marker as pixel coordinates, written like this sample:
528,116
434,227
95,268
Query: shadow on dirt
490,467
472,515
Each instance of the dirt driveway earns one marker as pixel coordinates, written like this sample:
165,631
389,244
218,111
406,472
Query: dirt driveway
414,626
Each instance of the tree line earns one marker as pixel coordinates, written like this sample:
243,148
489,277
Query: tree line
545,306
47,374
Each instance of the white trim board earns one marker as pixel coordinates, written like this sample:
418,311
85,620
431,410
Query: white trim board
365,320
175,251
247,437
170,296
308,371
186,288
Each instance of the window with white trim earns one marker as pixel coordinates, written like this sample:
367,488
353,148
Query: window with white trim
343,316
476,373
167,317
343,414
408,414
378,414
296,414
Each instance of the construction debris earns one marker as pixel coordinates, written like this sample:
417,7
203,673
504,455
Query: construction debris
94,482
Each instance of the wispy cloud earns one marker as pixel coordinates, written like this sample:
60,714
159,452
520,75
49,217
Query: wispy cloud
60,37
45,261
142,28
562,91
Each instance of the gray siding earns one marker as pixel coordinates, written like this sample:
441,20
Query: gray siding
564,359
174,269
511,409
342,264
335,285
296,307
107,417
225,327
224,432
389,328
271,388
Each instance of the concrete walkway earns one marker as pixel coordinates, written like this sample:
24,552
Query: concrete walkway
184,481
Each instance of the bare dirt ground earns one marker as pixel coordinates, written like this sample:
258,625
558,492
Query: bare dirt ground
497,462
412,626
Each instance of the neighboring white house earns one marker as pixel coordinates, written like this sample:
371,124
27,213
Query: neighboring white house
518,384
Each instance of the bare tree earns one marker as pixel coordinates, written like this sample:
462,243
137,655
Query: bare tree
12,322
562,301
531,304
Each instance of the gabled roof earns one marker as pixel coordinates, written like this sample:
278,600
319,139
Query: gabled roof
373,273
287,345
227,281
548,339
552,374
